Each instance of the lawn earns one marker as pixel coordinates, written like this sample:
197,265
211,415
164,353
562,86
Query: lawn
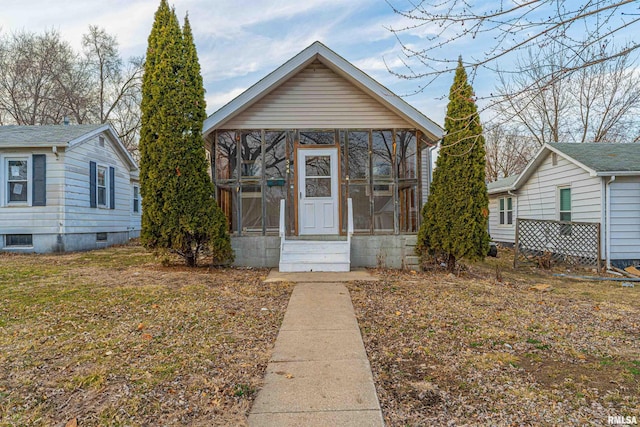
529,349
111,337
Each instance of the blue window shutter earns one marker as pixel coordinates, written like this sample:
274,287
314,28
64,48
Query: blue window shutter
112,187
93,200
39,187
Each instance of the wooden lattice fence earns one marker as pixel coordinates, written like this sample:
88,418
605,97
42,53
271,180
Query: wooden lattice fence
575,243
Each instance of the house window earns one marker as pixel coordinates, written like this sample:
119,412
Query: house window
101,186
17,180
101,237
565,211
19,240
506,211
136,198
565,204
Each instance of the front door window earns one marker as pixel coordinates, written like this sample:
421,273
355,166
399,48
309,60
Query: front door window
318,191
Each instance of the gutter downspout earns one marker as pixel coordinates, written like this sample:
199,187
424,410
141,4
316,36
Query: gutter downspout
608,220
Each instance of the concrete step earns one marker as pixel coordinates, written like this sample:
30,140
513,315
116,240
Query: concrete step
313,255
289,267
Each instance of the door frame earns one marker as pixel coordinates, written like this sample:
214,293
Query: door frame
335,181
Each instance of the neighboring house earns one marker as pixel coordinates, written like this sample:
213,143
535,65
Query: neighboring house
316,132
503,210
66,188
590,182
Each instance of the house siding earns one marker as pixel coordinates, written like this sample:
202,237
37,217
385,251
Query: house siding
625,218
26,219
503,233
537,198
79,216
67,222
316,98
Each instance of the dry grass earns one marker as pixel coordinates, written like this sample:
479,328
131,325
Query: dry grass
472,350
112,338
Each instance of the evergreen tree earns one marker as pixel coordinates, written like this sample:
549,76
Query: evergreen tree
456,214
179,212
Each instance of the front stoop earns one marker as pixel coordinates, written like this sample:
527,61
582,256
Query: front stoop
314,255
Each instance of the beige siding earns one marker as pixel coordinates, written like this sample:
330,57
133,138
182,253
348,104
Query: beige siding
316,97
538,197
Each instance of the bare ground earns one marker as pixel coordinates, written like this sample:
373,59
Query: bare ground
112,338
531,349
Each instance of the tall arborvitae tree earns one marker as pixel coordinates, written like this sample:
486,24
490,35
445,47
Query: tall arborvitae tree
179,212
456,213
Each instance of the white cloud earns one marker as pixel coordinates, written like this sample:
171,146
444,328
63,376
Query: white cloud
219,99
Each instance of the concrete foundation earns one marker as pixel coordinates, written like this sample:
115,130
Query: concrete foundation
56,243
389,251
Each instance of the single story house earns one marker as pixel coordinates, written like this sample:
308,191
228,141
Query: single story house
315,133
66,188
588,182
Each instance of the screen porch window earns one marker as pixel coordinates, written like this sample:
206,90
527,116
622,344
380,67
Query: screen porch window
506,211
17,181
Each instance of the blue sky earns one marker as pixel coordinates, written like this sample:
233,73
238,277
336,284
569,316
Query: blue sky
240,41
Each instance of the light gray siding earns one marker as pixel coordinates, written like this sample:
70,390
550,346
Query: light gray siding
625,218
79,216
67,222
538,197
316,98
504,233
24,218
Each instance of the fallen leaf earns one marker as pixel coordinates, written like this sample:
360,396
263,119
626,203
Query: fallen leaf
542,287
146,337
73,422
289,376
140,326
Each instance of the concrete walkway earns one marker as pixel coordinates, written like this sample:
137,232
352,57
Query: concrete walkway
319,374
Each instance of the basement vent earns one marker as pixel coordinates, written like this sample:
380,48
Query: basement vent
101,237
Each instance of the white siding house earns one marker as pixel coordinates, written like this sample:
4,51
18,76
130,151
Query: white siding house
597,183
503,210
66,188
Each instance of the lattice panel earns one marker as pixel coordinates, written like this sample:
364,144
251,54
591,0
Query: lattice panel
546,241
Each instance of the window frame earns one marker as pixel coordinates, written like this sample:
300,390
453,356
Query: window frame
560,210
104,205
136,199
7,245
6,181
505,214
565,229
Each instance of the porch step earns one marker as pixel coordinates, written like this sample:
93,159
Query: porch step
314,255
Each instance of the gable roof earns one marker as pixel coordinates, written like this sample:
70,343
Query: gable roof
602,158
502,185
598,159
341,67
69,136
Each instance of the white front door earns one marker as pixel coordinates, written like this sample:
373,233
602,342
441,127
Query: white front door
318,191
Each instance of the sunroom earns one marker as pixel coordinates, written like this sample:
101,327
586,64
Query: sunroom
319,157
